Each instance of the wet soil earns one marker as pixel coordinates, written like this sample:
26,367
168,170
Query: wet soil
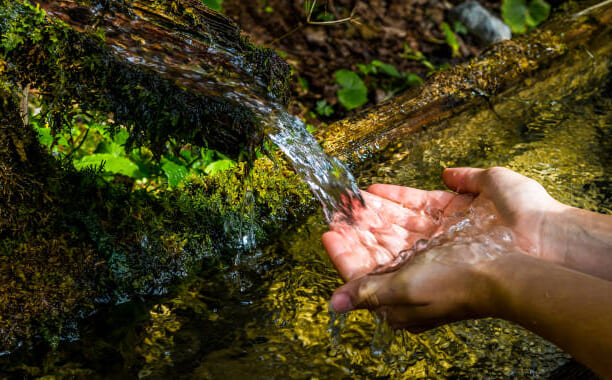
382,31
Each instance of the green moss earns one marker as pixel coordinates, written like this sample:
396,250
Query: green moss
70,242
77,72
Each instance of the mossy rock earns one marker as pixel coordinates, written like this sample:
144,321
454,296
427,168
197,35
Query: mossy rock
71,242
119,71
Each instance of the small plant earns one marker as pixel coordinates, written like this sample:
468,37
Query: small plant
215,5
522,17
373,75
324,109
354,92
92,146
451,40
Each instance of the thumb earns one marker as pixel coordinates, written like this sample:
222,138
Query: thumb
464,180
368,292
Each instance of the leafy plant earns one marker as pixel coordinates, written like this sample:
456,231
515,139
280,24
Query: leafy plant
377,66
215,5
521,16
92,146
451,40
324,109
354,92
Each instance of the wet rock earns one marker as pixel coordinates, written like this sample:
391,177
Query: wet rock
481,23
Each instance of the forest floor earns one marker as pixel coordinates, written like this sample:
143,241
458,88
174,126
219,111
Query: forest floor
391,31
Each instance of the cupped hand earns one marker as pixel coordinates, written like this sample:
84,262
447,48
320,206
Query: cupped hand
396,217
443,282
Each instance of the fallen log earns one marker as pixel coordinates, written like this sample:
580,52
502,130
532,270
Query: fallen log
472,84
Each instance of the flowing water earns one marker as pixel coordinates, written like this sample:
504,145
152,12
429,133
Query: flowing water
329,179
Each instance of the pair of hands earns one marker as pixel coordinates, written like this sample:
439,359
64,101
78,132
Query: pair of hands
448,281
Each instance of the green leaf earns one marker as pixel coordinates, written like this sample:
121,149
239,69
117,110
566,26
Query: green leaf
44,136
112,164
324,109
459,28
354,92
413,80
386,68
514,13
215,5
220,165
451,39
174,172
538,12
520,16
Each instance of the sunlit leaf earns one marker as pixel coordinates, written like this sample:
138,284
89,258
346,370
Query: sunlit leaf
219,165
520,16
174,172
112,164
215,5
538,12
514,13
451,39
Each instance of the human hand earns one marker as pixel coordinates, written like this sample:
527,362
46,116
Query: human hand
398,217
458,232
447,283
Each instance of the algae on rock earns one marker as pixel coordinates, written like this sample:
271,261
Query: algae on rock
70,241
158,68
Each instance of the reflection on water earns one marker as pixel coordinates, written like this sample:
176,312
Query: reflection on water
558,131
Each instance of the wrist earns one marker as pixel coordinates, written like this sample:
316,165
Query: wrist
580,240
499,279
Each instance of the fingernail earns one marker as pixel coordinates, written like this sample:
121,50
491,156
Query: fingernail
341,303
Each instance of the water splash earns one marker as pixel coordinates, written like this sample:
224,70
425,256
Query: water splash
329,179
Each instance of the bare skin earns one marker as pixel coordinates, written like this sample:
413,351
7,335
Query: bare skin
552,275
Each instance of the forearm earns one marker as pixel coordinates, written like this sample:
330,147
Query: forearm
569,308
582,240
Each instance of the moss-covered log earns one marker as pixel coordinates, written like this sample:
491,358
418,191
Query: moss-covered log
159,67
70,242
474,83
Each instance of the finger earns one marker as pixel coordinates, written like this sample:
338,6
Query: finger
414,199
350,258
464,180
369,292
459,206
